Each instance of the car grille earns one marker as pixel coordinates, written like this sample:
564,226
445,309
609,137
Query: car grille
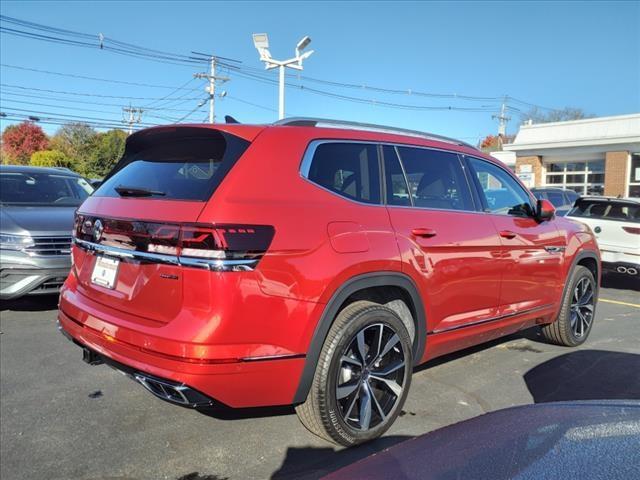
45,246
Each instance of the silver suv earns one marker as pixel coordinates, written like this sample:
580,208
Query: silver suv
36,219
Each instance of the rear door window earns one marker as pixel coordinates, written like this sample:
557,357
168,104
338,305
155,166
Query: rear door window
179,164
435,179
348,169
607,211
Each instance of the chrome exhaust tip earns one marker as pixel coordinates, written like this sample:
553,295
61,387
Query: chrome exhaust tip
172,392
632,271
621,269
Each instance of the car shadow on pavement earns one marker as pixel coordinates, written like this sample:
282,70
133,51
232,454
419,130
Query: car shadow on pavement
306,463
35,303
586,375
621,282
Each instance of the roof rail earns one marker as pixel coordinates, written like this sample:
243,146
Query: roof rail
325,122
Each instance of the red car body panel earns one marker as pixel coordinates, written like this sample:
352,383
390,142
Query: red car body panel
241,337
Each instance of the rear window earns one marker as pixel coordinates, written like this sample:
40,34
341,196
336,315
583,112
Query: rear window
178,164
607,210
556,198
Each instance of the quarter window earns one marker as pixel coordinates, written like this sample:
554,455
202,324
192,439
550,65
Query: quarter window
348,169
435,179
502,193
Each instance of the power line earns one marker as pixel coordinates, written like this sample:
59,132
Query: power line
84,77
74,100
84,94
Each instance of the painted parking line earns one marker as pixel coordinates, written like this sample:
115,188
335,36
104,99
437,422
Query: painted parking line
617,302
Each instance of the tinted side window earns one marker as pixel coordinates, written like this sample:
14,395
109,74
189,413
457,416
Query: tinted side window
436,179
396,184
556,198
503,194
349,169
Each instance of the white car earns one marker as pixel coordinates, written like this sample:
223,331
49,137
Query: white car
616,224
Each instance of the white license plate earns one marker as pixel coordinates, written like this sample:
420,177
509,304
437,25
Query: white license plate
105,272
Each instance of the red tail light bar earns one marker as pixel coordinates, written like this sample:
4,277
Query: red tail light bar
634,230
222,247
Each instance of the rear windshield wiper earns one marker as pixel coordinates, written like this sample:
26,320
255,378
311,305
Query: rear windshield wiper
125,191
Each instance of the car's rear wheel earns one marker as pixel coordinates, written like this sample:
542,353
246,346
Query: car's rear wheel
362,377
577,313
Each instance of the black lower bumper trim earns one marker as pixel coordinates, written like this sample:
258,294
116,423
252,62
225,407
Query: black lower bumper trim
167,390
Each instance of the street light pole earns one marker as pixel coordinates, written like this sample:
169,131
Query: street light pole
261,42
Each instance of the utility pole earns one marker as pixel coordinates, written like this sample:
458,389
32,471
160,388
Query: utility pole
134,115
502,118
211,88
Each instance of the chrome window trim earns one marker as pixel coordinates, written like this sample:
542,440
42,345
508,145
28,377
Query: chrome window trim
217,265
305,166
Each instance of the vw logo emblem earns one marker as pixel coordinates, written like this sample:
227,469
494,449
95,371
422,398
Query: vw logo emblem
97,230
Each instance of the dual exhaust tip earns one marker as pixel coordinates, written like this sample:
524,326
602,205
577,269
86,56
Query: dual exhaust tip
627,270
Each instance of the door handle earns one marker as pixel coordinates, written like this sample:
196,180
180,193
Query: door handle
507,234
423,232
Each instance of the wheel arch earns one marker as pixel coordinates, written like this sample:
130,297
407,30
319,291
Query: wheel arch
348,290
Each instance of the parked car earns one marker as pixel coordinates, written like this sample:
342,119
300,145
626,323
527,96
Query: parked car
616,224
529,441
314,263
36,218
562,199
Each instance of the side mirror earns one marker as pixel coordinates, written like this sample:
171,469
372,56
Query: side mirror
545,210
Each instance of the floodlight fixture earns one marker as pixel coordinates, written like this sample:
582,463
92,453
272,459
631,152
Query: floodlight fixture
261,42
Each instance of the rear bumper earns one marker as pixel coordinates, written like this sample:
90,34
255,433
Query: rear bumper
236,384
610,257
625,268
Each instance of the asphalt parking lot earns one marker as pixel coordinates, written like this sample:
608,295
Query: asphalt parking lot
62,419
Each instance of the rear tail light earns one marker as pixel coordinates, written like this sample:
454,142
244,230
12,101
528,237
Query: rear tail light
634,230
221,247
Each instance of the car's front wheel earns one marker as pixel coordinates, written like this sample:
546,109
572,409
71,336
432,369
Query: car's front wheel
362,377
577,312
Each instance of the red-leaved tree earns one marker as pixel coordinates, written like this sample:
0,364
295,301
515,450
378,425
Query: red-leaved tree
20,141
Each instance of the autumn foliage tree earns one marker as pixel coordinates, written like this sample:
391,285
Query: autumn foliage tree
20,141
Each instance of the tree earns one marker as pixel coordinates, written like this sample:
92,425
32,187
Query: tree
537,115
493,143
50,158
108,149
20,141
76,141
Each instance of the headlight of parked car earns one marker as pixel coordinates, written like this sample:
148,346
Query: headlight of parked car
15,242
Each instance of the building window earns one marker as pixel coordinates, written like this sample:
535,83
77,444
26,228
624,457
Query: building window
634,176
585,178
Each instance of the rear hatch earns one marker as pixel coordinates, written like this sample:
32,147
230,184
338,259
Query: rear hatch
615,223
136,233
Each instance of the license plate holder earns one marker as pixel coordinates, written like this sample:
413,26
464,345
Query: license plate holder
105,272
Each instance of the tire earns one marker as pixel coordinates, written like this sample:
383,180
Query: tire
381,381
573,325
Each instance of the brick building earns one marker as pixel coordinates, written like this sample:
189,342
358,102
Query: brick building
595,156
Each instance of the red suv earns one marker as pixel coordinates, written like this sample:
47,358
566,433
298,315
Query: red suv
314,263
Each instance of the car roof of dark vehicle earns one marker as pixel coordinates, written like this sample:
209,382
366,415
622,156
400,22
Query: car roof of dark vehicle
31,169
553,189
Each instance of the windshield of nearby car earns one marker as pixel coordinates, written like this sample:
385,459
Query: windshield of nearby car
38,188
626,212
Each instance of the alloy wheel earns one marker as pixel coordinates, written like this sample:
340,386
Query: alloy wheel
371,377
582,307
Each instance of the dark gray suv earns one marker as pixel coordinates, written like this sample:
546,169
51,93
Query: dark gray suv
36,219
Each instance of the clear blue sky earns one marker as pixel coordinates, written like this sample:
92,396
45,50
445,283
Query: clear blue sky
579,54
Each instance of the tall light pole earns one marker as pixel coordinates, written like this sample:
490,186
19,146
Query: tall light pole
261,42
